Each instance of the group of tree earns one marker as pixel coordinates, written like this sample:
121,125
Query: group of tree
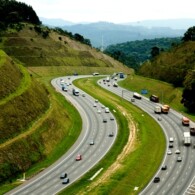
134,53
12,11
176,66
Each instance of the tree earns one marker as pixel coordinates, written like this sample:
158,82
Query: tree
155,51
189,91
189,34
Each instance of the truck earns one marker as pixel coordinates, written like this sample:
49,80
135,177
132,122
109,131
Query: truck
187,139
185,121
165,109
137,95
75,92
157,109
154,98
192,129
121,75
162,109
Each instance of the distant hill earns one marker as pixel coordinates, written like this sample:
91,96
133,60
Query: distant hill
56,22
104,34
171,23
134,53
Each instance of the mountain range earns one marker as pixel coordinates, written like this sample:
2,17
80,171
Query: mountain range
102,34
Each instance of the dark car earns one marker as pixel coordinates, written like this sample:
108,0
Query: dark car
104,120
156,179
63,175
164,167
171,145
65,181
111,134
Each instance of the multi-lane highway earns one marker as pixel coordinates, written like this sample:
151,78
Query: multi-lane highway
93,129
178,177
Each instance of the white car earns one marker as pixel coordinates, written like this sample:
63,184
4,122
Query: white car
107,110
169,152
99,111
177,152
94,105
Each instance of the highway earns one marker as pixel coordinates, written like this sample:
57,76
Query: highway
179,176
93,128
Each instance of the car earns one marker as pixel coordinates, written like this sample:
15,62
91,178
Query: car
177,151
164,167
83,95
96,101
132,99
179,159
107,110
159,118
99,111
63,175
111,118
111,134
65,181
91,142
169,152
156,179
78,157
171,145
103,106
94,105
171,139
104,120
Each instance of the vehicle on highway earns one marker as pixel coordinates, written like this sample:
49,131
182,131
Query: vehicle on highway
96,73
169,152
111,118
107,110
179,159
132,99
165,109
192,129
94,105
156,179
96,101
154,98
185,121
164,167
99,111
63,175
111,134
78,157
91,142
75,92
115,84
83,95
65,181
177,151
104,120
171,145
187,138
171,139
137,96
157,109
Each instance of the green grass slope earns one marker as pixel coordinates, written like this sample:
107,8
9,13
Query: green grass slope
173,65
55,50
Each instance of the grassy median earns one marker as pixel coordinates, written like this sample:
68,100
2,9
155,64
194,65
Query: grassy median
124,167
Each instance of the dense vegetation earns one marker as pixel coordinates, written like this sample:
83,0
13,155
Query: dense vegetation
135,53
176,66
12,12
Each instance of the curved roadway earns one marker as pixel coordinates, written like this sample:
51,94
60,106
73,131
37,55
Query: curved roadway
179,175
49,182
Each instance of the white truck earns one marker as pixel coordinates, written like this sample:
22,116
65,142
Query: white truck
187,138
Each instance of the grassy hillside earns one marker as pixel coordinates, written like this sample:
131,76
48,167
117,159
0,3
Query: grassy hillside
171,66
39,51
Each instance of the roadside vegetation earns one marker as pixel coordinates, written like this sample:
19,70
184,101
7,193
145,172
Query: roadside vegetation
125,166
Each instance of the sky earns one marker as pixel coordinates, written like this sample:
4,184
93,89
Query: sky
116,11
